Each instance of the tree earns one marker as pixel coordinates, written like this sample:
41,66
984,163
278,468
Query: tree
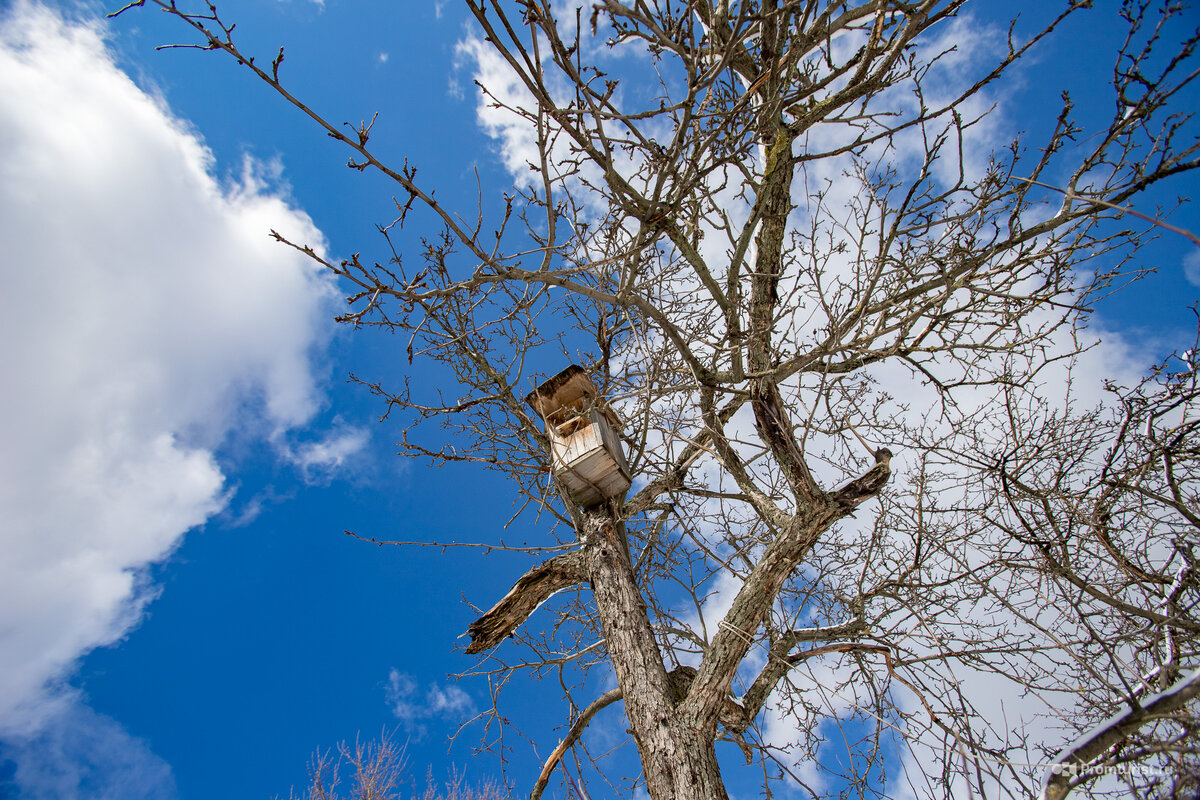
377,772
833,327
1113,544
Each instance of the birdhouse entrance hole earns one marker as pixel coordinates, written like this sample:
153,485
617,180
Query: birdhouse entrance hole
566,421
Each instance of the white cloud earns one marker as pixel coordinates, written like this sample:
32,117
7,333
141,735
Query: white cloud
243,513
82,754
513,132
319,460
1191,267
145,313
412,707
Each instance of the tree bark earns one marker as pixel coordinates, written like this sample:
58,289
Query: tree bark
679,761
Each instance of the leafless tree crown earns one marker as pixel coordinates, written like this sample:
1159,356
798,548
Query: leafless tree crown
841,328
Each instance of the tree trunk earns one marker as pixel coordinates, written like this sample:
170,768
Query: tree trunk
678,758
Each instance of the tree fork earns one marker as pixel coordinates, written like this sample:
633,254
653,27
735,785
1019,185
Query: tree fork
678,757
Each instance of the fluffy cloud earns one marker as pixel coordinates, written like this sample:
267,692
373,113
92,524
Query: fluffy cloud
145,314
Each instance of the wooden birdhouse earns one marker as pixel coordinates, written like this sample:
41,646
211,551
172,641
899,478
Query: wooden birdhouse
584,446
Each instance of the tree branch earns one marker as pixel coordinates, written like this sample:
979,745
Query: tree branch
599,704
533,589
1070,767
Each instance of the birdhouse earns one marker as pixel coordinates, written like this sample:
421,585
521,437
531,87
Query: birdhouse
584,446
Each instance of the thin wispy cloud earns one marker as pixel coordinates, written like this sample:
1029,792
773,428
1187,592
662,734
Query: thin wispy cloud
83,755
1191,267
414,707
326,457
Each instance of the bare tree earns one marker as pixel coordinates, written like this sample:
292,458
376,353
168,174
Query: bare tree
377,770
833,330
1104,523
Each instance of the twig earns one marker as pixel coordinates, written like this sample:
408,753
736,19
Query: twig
482,545
1126,209
603,701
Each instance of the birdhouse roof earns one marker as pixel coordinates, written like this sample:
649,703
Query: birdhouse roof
567,388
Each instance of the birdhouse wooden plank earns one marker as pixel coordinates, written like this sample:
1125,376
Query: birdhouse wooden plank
585,449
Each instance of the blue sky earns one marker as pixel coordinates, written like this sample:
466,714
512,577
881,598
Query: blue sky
180,613
201,351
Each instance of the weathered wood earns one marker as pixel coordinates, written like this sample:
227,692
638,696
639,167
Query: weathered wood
533,589
570,388
585,450
588,459
679,680
866,486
